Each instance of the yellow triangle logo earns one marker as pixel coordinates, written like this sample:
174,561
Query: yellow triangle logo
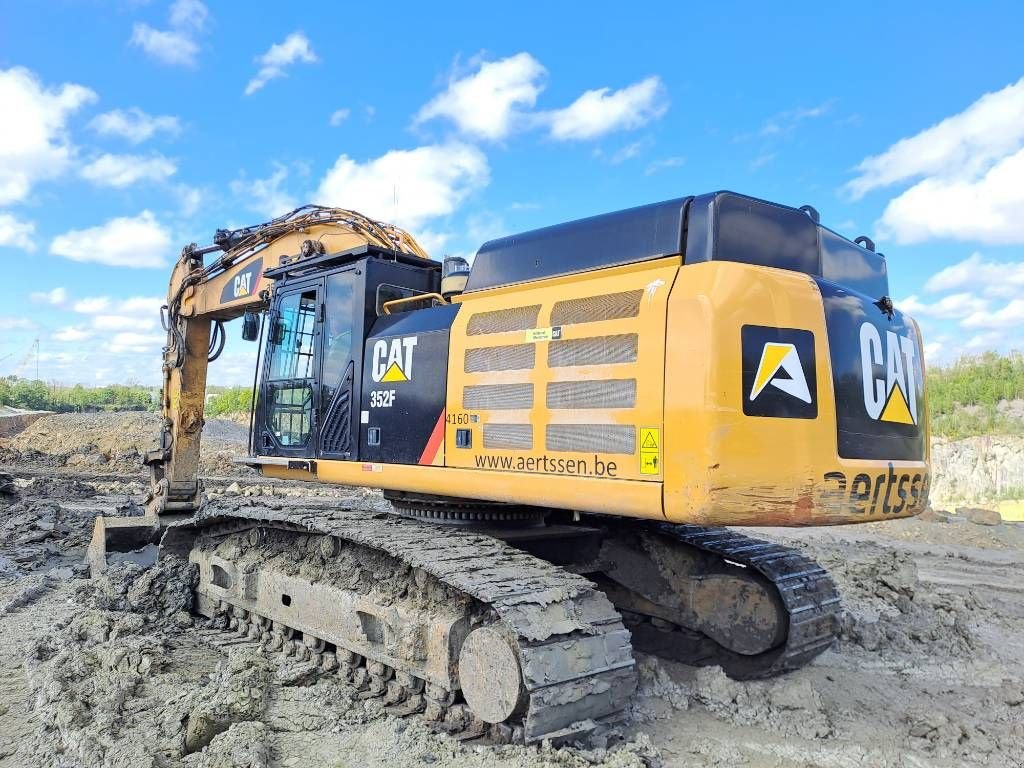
896,409
394,373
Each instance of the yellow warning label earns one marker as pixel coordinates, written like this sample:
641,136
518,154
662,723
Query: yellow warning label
394,373
650,451
544,334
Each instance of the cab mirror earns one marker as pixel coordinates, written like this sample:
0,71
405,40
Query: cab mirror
250,326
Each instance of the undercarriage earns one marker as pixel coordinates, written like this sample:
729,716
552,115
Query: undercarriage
512,624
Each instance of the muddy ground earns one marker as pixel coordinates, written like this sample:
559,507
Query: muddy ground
115,672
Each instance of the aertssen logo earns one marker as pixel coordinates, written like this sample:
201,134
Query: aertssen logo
392,359
780,367
778,372
891,375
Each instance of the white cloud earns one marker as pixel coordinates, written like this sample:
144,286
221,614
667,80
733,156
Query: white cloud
189,15
134,125
1010,316
124,322
985,209
295,47
140,241
8,323
190,199
129,341
433,242
664,164
966,173
786,122
339,116
407,187
627,152
16,233
33,137
72,333
956,306
92,306
167,46
493,101
56,297
266,196
149,305
993,278
177,45
761,160
124,170
601,111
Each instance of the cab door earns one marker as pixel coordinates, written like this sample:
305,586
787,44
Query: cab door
290,396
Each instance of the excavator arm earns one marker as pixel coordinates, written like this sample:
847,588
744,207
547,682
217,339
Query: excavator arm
201,297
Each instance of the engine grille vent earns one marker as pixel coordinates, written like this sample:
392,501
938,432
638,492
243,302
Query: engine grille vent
595,438
497,397
613,393
509,437
599,350
512,357
609,306
502,320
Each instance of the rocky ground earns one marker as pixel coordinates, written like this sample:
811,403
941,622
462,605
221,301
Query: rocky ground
114,672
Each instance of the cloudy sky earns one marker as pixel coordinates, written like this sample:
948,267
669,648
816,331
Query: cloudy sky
132,128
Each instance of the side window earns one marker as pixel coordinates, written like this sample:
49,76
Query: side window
387,292
338,332
291,376
292,343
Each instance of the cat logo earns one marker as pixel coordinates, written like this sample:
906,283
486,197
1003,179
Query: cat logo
244,283
780,366
392,359
891,375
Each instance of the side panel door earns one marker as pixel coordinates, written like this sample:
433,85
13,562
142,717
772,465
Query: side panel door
342,345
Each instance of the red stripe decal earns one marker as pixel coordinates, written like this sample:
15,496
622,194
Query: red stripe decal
434,442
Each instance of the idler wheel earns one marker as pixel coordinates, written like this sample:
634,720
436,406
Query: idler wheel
490,676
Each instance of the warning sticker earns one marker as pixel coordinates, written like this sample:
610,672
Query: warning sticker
544,334
650,451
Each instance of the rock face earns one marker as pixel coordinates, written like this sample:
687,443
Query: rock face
976,470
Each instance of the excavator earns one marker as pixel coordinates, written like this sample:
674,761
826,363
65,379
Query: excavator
566,433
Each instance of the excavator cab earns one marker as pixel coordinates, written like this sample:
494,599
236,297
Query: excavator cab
312,372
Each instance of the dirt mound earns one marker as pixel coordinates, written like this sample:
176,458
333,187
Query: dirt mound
889,610
116,442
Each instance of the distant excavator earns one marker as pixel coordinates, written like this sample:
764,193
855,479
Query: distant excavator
564,431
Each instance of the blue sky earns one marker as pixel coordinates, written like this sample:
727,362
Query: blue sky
132,128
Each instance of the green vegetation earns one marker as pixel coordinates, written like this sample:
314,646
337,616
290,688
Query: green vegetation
39,396
229,400
965,398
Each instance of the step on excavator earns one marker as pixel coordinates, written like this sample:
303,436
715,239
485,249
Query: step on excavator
566,433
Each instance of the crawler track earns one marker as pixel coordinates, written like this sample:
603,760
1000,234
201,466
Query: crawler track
807,592
574,652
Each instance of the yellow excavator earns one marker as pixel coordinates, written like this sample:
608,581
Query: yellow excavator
565,431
